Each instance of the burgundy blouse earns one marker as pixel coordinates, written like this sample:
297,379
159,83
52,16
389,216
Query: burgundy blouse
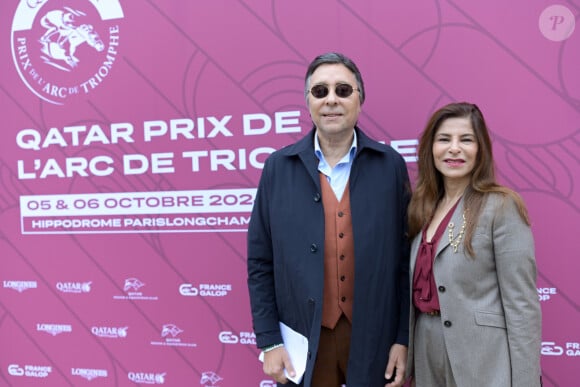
425,296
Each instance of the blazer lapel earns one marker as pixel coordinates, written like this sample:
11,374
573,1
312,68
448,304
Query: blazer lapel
414,248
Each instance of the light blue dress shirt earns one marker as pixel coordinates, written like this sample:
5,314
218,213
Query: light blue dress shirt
337,176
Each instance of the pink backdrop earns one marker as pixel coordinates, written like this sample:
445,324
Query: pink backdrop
130,156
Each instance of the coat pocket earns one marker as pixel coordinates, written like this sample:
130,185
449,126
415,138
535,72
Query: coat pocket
490,319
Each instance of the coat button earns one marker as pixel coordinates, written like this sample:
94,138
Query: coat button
447,323
316,197
340,214
341,235
313,248
342,278
311,301
342,257
441,289
343,299
309,355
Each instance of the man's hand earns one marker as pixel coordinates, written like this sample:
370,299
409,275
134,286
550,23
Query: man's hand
398,360
275,361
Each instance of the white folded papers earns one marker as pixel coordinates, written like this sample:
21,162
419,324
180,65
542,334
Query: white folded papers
297,347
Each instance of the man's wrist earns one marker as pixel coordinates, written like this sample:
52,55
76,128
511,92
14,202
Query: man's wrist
271,347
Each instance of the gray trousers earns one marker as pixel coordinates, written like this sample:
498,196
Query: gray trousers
432,367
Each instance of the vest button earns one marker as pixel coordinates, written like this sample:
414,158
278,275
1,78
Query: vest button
343,299
442,289
342,278
342,257
341,235
341,214
313,248
316,197
447,323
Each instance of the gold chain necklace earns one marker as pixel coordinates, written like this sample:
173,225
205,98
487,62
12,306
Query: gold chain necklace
456,241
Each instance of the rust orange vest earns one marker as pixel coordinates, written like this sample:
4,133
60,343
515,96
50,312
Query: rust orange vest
338,256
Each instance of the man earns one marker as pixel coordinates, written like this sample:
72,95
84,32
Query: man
327,249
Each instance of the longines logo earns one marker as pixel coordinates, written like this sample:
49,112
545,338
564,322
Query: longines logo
89,373
20,286
65,49
54,329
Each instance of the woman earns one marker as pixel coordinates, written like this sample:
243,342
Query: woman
475,315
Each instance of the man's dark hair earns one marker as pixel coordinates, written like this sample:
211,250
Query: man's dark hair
335,58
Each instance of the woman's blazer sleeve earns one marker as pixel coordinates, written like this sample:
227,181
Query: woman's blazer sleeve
516,270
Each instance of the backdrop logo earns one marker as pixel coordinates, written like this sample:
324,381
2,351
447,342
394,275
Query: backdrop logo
545,294
205,290
132,287
227,337
170,333
65,49
170,329
89,373
146,377
110,332
31,371
74,287
132,284
54,329
20,286
550,348
209,378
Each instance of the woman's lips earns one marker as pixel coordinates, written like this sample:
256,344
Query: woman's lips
454,162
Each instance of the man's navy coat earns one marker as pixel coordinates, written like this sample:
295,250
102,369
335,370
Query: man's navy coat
286,253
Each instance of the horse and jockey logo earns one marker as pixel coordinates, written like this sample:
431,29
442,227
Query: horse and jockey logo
65,49
63,36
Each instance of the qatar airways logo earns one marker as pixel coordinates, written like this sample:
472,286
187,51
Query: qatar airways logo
54,329
146,377
110,332
20,286
74,287
65,49
89,373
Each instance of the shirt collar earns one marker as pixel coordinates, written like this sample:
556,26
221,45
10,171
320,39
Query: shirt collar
347,158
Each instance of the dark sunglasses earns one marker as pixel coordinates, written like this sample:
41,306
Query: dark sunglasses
343,90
